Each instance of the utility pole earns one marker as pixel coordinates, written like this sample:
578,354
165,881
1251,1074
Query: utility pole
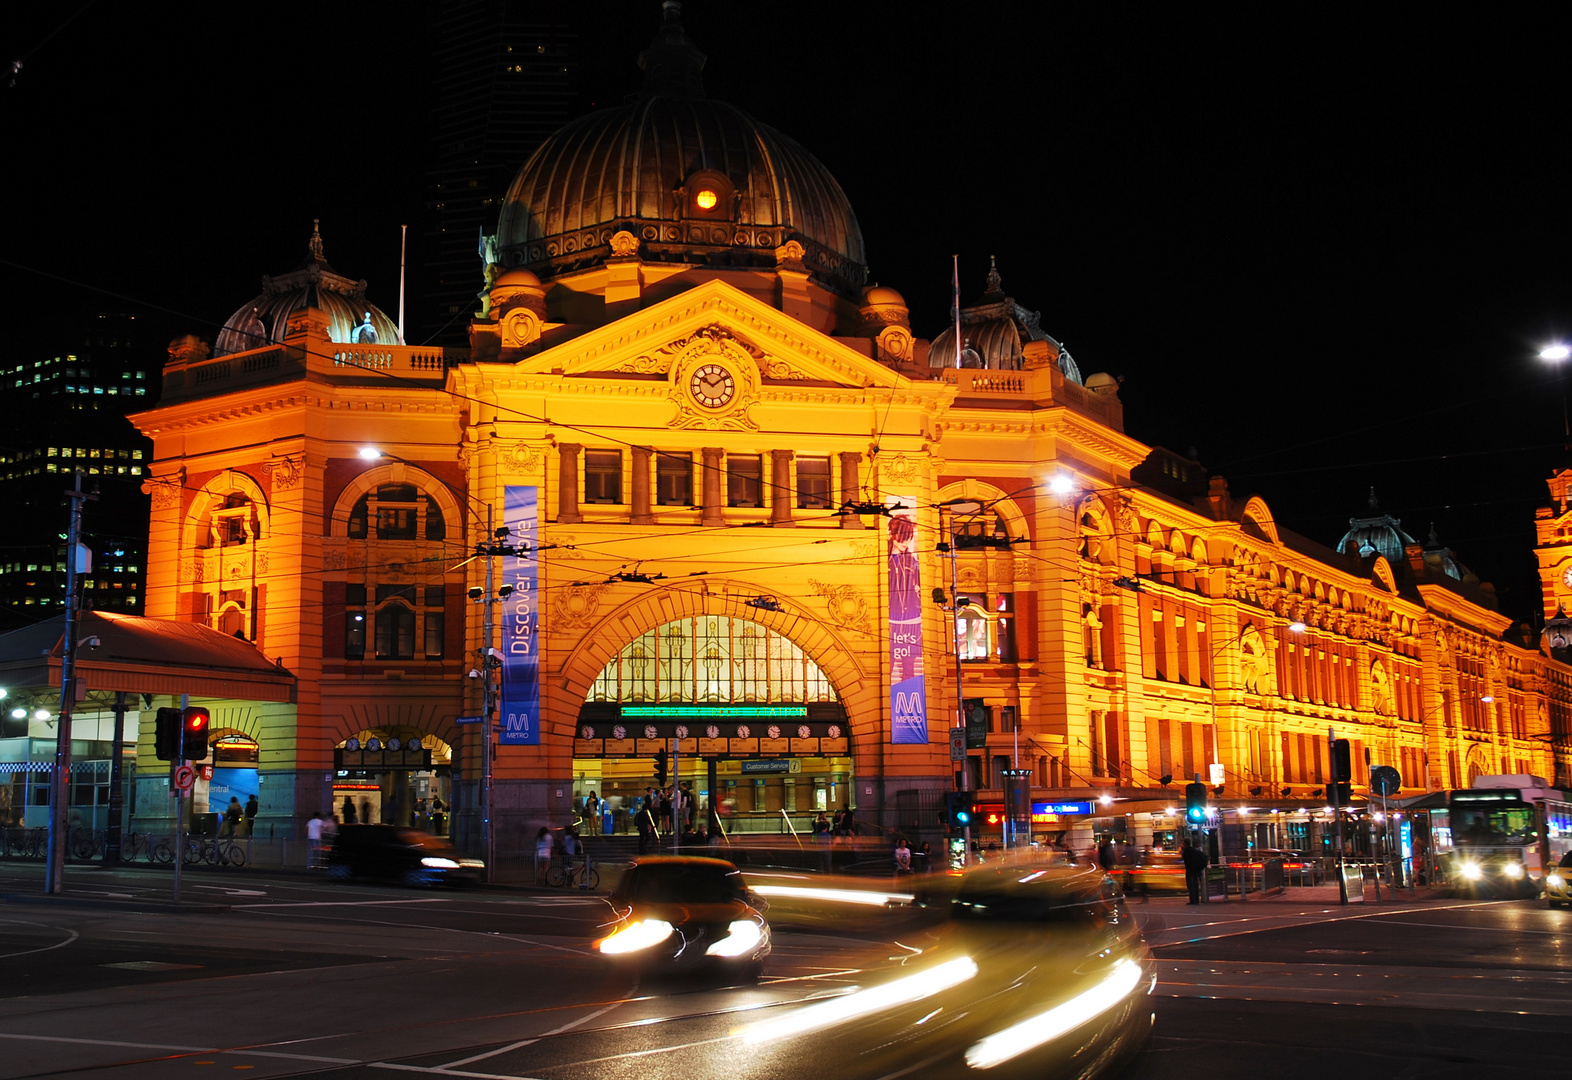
60,781
489,666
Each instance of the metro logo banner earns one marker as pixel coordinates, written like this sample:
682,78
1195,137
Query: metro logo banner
520,697
908,692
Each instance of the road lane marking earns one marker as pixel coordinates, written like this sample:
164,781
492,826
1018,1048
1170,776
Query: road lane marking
525,1042
43,948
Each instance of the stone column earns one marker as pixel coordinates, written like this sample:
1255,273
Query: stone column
641,486
782,496
714,500
568,483
851,487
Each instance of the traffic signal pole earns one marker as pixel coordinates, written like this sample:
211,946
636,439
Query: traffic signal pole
60,781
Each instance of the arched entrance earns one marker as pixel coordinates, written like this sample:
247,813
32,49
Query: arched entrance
394,775
746,719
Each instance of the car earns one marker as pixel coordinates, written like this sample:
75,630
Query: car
676,913
1558,883
1026,969
1153,872
407,856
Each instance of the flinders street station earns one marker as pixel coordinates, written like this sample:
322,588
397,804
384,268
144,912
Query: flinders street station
700,495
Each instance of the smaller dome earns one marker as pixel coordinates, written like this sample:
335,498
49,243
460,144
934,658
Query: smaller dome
313,284
882,294
994,332
1100,382
1379,533
518,277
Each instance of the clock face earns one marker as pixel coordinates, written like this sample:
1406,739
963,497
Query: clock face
713,386
1566,577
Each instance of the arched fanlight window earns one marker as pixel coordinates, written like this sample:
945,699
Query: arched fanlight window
711,658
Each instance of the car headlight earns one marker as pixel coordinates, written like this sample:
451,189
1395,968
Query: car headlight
1471,871
741,938
1513,869
1556,881
635,936
436,862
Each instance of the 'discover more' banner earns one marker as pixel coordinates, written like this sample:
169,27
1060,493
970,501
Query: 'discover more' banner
520,698
908,695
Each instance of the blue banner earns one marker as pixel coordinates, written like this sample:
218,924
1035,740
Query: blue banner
908,693
520,697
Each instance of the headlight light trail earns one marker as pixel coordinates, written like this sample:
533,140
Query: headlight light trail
849,1007
640,935
1044,1027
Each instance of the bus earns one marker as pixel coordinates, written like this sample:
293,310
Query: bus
1500,839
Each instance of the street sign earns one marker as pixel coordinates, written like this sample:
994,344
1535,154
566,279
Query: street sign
1385,781
468,719
957,744
185,777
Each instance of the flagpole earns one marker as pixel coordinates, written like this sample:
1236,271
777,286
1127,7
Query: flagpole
955,280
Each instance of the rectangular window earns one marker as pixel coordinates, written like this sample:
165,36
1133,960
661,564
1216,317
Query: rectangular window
354,622
744,480
603,476
813,483
673,479
435,627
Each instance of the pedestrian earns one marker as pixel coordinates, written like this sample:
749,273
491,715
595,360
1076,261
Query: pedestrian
251,815
1106,855
439,817
543,850
314,842
348,811
643,822
821,828
1194,869
573,853
365,812
232,815
903,857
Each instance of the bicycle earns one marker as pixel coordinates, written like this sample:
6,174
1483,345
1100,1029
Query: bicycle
87,843
225,852
583,872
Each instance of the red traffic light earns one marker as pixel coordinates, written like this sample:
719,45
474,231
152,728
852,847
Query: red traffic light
196,719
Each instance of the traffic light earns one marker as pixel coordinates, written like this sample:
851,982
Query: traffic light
662,766
1195,803
166,738
1342,763
195,721
958,808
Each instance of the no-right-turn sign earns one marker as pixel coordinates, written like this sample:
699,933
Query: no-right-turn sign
185,777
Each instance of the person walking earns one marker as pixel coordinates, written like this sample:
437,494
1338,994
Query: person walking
643,822
1106,855
232,815
544,846
1194,869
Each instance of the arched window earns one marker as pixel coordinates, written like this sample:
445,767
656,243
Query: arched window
711,658
396,512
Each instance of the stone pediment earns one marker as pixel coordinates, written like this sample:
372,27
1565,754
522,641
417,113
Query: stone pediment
711,316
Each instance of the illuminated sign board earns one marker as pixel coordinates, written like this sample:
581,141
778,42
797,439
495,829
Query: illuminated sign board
722,712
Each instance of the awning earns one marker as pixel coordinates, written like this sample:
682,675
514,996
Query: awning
144,656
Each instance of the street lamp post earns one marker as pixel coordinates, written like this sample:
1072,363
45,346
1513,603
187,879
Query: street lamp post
60,780
947,544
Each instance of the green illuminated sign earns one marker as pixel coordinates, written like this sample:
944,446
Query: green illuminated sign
719,712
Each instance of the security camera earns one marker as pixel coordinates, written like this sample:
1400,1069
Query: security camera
496,654
91,642
474,673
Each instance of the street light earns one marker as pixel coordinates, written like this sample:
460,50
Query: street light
1557,354
493,545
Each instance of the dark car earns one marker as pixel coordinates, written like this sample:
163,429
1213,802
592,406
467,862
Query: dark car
407,856
1026,970
676,913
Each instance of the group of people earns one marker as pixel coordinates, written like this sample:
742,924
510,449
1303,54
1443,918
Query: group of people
827,831
909,860
320,831
236,815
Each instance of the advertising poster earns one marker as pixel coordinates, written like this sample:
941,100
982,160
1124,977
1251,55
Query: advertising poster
519,701
908,696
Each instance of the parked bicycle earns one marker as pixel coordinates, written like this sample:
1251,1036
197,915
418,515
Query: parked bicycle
220,852
155,849
581,873
87,843
23,843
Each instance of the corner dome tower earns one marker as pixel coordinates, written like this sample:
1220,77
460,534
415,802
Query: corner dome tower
692,180
312,284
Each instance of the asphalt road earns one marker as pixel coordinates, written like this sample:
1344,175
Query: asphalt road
292,976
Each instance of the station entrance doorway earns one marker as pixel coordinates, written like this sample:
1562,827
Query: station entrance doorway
741,716
395,778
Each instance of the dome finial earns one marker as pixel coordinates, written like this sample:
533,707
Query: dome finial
316,241
672,64
994,281
1374,505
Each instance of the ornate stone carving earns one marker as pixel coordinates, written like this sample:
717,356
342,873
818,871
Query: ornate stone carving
900,469
1254,661
895,344
780,369
520,327
333,560
575,607
165,490
624,244
1024,569
715,344
1380,689
191,570
285,471
845,606
864,549
261,562
522,457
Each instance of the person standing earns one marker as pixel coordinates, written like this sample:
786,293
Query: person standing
642,822
349,810
543,850
1106,855
251,815
314,842
232,816
903,857
1194,869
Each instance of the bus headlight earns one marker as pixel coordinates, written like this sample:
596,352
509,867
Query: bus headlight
1513,869
1471,871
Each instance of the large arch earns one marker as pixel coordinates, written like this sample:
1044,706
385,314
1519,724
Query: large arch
212,495
858,691
397,472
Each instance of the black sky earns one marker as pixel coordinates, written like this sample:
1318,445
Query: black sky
1321,245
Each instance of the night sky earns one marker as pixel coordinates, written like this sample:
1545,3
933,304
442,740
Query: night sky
1321,246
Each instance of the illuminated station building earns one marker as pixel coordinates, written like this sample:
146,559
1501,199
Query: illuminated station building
695,414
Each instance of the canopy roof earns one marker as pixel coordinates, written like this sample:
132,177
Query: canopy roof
146,656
